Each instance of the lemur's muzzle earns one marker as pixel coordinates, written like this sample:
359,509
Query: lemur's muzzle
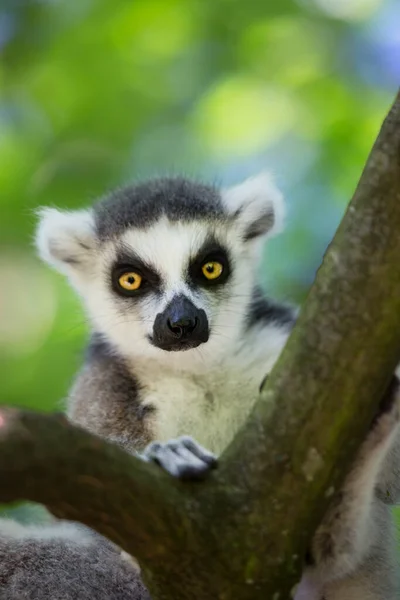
180,326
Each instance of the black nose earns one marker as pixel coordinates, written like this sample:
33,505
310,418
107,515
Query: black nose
180,326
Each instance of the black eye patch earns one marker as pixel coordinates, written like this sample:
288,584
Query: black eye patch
127,262
210,253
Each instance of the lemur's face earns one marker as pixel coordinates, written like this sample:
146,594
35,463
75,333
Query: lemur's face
167,266
172,278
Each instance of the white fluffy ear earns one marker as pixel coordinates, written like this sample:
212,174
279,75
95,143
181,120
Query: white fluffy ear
257,206
65,239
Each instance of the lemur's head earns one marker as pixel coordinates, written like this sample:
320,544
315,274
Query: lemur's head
167,265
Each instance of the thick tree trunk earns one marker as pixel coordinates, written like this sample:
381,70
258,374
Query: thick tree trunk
241,534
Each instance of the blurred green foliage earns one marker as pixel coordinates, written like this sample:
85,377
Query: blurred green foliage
94,94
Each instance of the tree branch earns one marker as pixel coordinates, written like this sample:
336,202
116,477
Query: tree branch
320,399
43,458
246,527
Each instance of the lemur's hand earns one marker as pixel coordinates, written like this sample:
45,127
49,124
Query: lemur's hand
183,458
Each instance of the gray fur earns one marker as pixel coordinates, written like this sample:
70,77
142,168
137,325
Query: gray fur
145,399
263,310
104,399
138,206
354,551
72,563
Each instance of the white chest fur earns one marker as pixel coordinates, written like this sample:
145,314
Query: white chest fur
211,404
209,409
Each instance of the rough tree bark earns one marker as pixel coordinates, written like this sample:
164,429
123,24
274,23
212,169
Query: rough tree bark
245,528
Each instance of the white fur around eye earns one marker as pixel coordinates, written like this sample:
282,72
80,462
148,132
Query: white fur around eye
257,206
65,239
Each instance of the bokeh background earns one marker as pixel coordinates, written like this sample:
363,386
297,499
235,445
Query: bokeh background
94,94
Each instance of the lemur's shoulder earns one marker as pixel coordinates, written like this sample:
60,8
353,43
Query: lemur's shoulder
105,397
263,311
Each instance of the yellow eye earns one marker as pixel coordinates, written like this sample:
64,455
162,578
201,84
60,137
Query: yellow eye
212,270
130,281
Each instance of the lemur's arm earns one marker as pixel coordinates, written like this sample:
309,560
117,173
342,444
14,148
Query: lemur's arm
107,401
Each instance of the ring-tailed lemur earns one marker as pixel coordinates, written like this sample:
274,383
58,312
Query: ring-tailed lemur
182,339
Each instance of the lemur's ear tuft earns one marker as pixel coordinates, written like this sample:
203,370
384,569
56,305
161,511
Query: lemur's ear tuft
65,239
257,206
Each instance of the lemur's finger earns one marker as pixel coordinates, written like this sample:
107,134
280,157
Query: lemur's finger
149,452
199,451
187,467
191,459
167,460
